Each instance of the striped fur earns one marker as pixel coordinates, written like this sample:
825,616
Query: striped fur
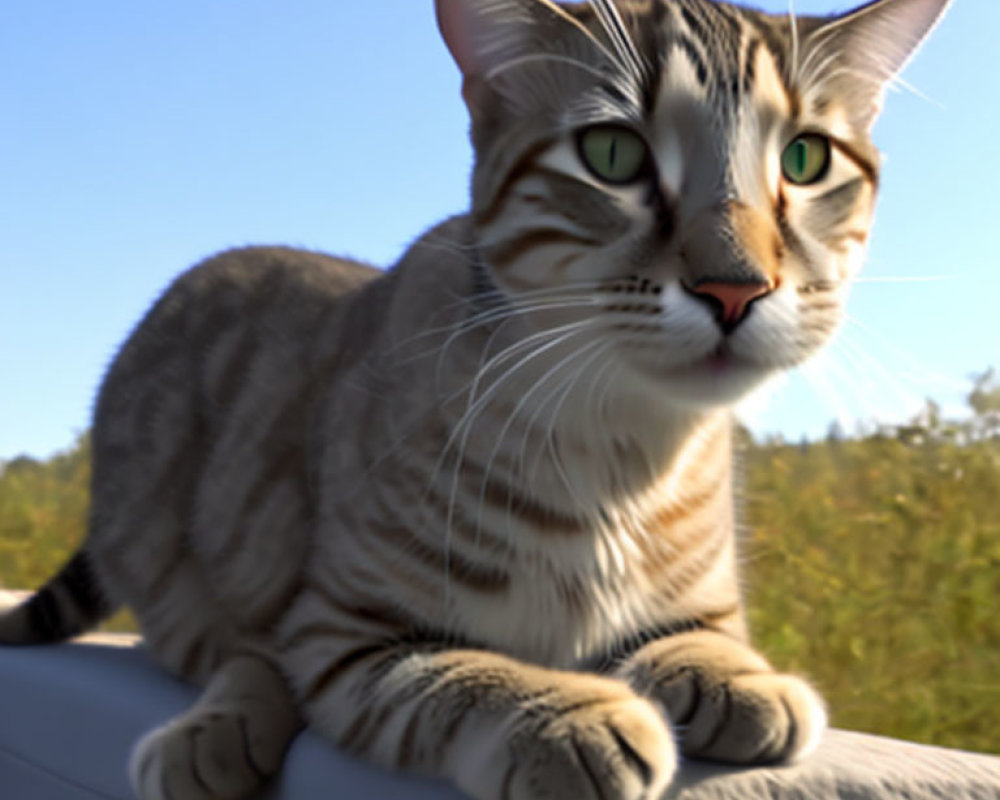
473,517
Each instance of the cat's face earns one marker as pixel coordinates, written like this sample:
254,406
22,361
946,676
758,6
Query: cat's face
683,185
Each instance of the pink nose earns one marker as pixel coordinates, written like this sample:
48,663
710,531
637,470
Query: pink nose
731,300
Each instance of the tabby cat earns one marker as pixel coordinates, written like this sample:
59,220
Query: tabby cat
473,517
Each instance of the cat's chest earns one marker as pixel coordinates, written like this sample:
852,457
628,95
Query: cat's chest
561,611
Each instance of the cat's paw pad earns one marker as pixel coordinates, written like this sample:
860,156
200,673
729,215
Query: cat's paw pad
203,756
620,749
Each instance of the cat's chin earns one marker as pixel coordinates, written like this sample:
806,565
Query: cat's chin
713,381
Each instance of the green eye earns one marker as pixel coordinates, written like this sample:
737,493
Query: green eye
807,159
614,154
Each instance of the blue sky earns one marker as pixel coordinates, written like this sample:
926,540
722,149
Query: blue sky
136,138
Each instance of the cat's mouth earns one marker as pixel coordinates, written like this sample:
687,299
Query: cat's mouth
720,359
720,376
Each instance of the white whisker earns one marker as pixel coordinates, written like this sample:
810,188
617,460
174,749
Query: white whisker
904,279
515,413
462,429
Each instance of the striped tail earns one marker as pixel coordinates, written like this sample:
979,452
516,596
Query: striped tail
71,603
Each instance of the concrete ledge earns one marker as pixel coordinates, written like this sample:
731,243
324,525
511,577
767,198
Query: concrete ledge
852,766
70,713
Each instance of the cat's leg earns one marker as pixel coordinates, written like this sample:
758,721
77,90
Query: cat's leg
724,699
497,728
227,745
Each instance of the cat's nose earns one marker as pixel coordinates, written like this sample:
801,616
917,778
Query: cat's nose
730,302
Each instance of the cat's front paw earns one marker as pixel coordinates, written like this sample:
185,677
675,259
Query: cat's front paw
726,701
600,748
205,755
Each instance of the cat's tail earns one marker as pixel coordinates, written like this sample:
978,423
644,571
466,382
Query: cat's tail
71,603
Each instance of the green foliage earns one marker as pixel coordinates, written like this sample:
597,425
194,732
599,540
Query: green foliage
872,565
43,510
43,517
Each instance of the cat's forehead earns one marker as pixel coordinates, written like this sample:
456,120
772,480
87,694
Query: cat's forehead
715,54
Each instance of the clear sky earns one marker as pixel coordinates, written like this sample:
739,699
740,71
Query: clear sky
136,138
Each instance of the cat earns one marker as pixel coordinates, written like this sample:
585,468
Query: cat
473,517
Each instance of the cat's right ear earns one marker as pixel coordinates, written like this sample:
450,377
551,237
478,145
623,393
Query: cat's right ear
458,21
464,26
486,37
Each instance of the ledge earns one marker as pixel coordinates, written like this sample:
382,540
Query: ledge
69,715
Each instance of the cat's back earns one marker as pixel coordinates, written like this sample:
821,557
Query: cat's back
260,296
258,282
237,331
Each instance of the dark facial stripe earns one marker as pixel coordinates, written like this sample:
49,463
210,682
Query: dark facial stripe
695,22
730,17
526,166
829,212
507,252
651,36
773,39
750,66
693,53
868,167
840,196
788,235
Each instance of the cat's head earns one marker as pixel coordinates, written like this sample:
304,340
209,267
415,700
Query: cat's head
689,182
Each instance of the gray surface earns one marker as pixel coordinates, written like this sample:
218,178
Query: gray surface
69,715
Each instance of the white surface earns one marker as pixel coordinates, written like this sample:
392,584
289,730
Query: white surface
70,713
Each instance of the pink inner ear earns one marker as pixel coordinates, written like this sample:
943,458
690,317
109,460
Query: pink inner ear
457,23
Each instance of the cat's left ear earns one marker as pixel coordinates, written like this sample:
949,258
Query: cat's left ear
858,54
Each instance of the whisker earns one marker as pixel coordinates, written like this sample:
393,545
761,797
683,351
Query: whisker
906,357
458,438
794,26
816,376
629,58
904,279
479,320
550,438
511,351
520,61
516,411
